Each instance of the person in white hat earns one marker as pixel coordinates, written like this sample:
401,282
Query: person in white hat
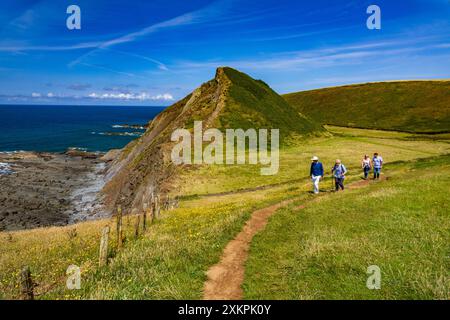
316,173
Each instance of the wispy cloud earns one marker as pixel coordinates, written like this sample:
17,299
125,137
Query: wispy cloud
25,47
24,21
160,65
205,14
79,86
128,74
321,57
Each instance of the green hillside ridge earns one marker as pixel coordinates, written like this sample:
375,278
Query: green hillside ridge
253,104
231,100
410,106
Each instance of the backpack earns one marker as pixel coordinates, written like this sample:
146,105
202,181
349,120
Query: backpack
339,170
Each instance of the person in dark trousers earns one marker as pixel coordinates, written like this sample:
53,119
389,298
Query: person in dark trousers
377,165
338,172
316,173
366,165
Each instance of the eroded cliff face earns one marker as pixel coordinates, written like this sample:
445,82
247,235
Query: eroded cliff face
144,166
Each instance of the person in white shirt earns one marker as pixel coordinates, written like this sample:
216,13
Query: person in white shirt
377,165
366,165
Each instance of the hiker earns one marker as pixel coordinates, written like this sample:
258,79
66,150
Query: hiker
316,173
377,165
339,171
366,165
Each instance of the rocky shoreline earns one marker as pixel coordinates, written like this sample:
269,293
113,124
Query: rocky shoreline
39,189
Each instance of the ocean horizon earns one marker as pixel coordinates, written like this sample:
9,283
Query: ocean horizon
56,128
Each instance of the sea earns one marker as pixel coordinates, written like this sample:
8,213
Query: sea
53,128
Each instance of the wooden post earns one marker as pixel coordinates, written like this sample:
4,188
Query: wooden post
136,226
134,214
152,206
144,215
103,256
119,228
27,284
155,208
158,206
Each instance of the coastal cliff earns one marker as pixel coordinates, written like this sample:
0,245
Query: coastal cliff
231,100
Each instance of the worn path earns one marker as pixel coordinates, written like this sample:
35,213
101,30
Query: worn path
226,277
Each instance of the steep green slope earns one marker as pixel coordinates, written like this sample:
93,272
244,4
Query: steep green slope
253,104
413,106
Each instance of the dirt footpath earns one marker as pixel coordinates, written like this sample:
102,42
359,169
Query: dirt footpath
226,277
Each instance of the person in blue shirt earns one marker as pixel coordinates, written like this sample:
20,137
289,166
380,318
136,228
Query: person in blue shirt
316,173
377,163
338,172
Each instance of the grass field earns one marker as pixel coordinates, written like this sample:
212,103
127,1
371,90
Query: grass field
168,262
322,252
349,145
388,220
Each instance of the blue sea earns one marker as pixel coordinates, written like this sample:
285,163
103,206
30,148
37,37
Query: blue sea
57,128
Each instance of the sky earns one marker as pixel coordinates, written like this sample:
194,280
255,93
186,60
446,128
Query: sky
155,52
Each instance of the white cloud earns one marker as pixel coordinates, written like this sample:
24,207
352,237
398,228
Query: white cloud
143,96
124,96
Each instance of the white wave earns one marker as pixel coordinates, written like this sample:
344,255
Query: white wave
128,134
5,168
12,152
86,200
133,126
77,149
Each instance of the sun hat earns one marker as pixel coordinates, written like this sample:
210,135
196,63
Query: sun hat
314,158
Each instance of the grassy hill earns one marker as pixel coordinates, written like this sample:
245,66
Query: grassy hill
231,100
252,103
411,106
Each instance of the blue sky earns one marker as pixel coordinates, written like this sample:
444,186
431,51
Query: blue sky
155,52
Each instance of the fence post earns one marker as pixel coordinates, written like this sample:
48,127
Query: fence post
27,284
119,228
155,207
103,256
144,215
152,206
158,206
136,226
135,215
